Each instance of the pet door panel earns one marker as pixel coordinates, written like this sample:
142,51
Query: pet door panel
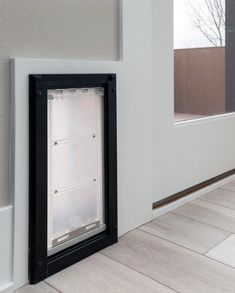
75,113
75,163
75,166
75,212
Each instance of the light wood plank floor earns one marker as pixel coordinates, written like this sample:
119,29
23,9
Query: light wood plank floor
189,250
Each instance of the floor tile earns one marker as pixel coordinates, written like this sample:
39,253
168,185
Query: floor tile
39,288
221,197
209,213
186,232
224,252
173,265
229,186
100,274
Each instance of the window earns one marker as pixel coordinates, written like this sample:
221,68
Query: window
203,59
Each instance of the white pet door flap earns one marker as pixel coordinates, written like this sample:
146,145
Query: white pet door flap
75,165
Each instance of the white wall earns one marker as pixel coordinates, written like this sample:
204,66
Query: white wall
81,29
134,121
191,152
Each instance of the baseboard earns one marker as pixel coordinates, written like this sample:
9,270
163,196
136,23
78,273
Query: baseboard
6,248
186,192
7,288
173,205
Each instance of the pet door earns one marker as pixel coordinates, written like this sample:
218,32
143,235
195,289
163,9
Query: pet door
72,169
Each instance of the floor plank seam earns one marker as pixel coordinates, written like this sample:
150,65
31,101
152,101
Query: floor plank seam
222,187
45,281
216,204
187,217
219,262
193,220
218,243
212,203
156,281
215,260
181,245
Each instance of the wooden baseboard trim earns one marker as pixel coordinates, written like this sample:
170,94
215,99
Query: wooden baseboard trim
188,191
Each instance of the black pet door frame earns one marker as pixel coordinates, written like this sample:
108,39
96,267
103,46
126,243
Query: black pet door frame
43,88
